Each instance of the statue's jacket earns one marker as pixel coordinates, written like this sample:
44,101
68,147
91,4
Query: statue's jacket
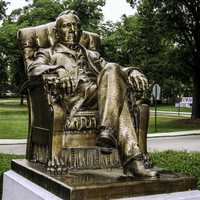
84,67
49,59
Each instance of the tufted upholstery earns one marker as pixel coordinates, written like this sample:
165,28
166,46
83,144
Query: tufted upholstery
43,36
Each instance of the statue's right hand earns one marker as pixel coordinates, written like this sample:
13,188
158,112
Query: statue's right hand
138,81
67,83
63,78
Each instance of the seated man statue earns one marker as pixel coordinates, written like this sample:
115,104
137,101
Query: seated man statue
88,80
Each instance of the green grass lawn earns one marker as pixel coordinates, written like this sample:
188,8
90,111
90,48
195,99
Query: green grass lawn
13,119
172,123
170,108
183,162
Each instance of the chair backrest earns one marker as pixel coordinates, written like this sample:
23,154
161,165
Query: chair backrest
43,36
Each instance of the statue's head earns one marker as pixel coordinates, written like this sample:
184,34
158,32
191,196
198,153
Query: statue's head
68,28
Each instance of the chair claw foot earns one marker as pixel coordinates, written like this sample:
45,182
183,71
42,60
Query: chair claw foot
56,166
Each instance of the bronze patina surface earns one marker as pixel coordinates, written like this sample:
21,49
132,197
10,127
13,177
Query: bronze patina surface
102,184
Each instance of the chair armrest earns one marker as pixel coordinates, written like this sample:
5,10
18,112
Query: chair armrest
48,84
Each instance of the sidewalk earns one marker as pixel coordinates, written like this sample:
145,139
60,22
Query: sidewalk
149,135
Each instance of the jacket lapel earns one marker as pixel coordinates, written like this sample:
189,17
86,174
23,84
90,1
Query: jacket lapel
60,48
85,52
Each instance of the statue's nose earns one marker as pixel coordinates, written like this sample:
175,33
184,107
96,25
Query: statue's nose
72,28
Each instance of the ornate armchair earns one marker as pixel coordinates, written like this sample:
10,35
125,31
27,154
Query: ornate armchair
53,136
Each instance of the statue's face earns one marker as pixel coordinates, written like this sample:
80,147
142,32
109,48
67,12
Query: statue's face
69,30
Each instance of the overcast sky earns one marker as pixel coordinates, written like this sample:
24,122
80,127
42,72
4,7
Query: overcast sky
113,10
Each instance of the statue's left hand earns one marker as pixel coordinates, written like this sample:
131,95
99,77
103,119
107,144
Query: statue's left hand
138,81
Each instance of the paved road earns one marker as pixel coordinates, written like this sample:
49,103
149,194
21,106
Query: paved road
18,149
179,143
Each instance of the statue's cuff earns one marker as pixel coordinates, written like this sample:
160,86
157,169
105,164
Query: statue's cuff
138,157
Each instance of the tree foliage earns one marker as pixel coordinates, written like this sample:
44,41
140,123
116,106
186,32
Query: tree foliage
139,41
3,6
3,59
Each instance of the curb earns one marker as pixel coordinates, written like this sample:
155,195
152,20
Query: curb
173,134
12,141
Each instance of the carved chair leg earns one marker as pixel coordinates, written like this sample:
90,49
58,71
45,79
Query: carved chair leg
143,127
55,164
142,132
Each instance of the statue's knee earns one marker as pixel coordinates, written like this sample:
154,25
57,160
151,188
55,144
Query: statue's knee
112,67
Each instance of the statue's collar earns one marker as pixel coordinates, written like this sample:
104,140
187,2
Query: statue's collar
63,49
60,48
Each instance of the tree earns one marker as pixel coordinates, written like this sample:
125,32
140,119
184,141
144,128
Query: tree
3,7
182,18
3,69
3,58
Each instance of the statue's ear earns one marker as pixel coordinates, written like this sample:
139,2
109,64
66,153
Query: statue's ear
80,34
55,32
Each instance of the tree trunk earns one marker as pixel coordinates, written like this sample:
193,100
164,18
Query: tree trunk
22,100
196,90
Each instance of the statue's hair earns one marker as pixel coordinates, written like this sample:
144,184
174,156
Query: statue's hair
64,14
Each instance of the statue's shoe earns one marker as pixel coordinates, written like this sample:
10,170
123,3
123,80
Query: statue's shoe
137,168
106,141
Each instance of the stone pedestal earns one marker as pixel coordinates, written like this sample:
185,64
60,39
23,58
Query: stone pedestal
16,187
101,184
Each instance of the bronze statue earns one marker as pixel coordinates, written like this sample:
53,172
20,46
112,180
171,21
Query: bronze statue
80,104
88,80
